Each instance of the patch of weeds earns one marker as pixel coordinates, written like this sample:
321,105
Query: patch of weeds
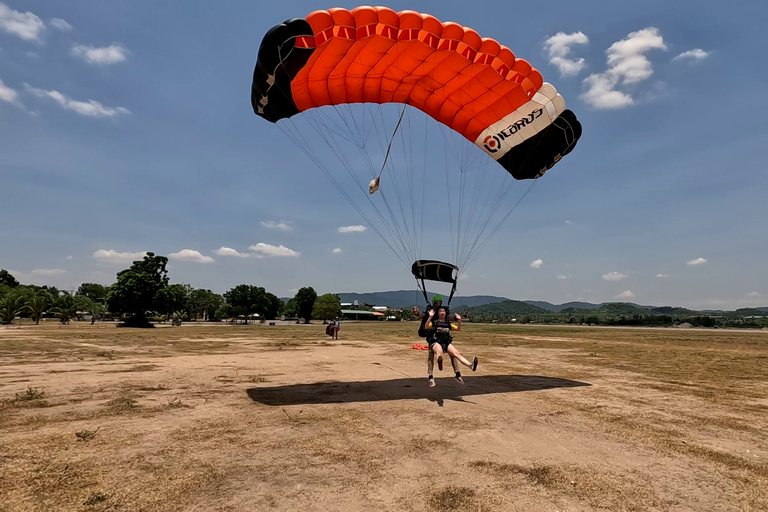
30,394
159,387
540,474
254,378
105,353
137,368
122,404
176,403
86,435
453,498
95,498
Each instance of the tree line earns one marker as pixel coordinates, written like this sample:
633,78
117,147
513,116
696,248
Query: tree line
143,292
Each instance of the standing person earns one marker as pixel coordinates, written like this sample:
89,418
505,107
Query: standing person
335,326
440,342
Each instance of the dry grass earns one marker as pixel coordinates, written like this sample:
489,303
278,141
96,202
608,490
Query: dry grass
98,418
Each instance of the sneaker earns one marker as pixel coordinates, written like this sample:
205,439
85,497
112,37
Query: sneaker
458,377
431,381
474,364
440,363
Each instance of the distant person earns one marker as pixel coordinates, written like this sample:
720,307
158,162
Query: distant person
335,326
440,342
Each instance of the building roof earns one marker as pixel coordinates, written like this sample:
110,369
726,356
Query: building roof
356,312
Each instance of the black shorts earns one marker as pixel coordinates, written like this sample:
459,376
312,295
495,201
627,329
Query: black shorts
444,342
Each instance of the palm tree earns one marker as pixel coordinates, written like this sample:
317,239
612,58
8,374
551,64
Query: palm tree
93,307
37,306
65,308
11,306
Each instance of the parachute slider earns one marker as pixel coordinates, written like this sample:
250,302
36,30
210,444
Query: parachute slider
373,186
432,270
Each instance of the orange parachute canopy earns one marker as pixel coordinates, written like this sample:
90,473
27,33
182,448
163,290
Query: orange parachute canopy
474,85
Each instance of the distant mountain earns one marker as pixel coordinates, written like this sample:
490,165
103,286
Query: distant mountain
492,304
408,298
556,308
508,307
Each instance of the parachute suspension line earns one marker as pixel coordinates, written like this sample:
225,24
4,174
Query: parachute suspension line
482,244
423,289
475,251
423,185
448,194
389,146
403,231
302,143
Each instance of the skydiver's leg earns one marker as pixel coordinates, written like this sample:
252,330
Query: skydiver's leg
463,360
455,364
436,352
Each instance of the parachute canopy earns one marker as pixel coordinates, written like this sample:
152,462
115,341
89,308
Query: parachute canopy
432,270
473,85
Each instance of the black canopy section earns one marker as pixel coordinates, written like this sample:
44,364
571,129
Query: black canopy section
536,155
278,64
433,270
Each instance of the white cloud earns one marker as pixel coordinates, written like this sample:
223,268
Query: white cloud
261,249
624,295
352,229
559,46
754,294
69,257
61,24
190,255
697,261
537,263
695,55
281,226
228,251
106,55
662,275
569,222
337,251
614,276
562,276
25,25
112,256
90,108
8,94
627,65
463,277
45,272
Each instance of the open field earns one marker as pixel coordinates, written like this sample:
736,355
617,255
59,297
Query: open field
255,417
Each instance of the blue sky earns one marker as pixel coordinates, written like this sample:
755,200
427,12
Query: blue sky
126,126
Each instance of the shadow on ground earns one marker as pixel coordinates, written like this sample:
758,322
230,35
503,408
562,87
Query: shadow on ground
403,389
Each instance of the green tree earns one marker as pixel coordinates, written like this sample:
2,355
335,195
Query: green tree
7,279
37,305
246,299
172,299
205,303
12,304
94,291
273,306
65,308
136,289
290,308
326,306
305,301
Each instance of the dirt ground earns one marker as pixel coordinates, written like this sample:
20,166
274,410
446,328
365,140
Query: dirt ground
258,417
